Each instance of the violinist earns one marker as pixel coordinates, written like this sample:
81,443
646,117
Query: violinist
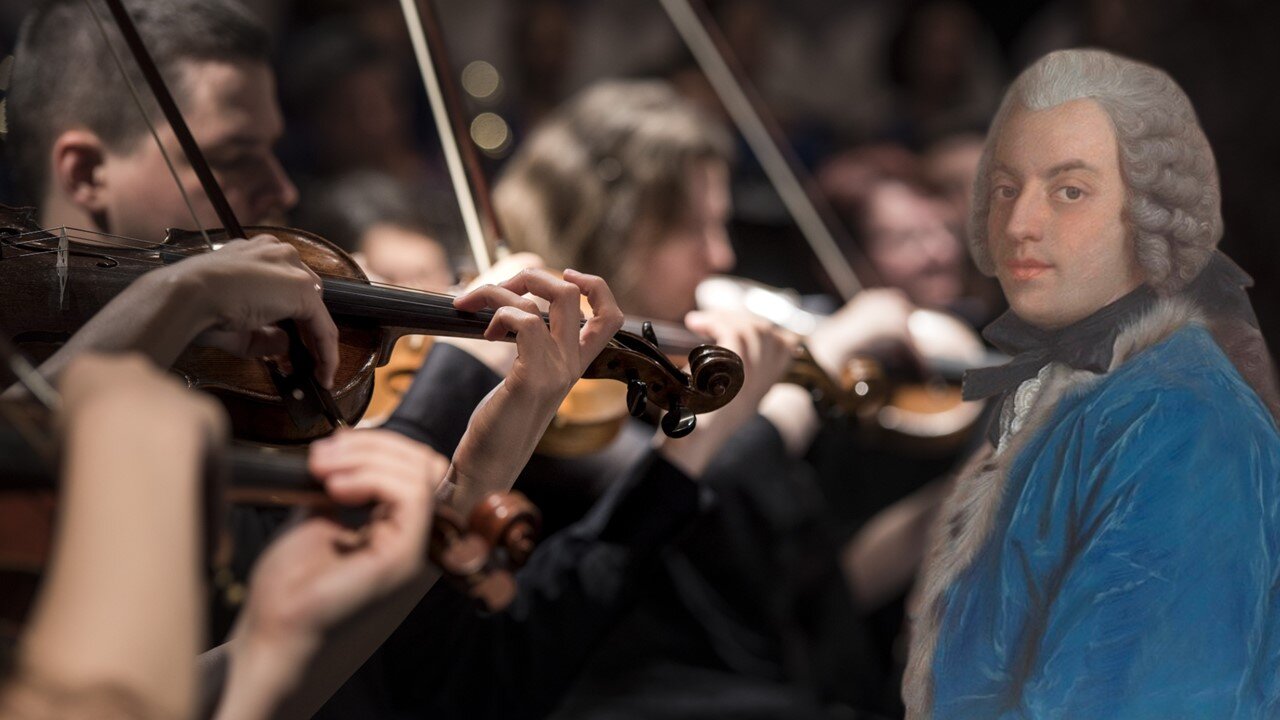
372,216
498,439
628,180
84,155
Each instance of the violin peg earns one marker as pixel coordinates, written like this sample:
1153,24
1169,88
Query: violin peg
496,590
646,331
636,397
678,422
466,555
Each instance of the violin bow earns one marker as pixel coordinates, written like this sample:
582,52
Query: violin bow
763,133
299,390
483,230
48,396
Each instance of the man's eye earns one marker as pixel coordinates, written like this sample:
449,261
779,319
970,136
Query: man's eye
1070,193
232,163
1007,192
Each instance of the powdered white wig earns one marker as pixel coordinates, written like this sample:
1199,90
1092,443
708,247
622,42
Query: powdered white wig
1173,204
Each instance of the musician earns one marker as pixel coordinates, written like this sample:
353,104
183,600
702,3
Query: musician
85,156
372,216
1111,552
749,616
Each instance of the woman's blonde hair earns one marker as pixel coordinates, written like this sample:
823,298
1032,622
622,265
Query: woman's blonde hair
606,176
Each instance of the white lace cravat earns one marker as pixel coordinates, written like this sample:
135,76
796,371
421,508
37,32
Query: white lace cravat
1015,410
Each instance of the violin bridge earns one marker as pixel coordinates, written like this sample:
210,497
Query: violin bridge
62,268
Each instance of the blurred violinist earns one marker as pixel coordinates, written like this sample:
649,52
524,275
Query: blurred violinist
630,181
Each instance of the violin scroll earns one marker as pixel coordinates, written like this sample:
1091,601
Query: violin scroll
509,523
715,377
482,554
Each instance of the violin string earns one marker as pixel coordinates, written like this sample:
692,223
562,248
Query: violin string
96,237
416,299
413,300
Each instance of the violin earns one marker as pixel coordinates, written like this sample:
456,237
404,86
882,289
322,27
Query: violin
65,277
479,553
921,407
593,413
930,417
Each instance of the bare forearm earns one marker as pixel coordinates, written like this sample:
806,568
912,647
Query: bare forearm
502,435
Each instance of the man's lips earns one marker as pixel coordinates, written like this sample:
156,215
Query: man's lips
1026,269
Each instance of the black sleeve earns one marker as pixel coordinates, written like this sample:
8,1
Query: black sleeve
447,389
453,660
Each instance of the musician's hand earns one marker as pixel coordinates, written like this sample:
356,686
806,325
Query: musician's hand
550,355
499,357
320,573
871,318
550,358
766,354
245,287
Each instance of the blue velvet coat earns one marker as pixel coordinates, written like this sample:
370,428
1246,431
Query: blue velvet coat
1132,568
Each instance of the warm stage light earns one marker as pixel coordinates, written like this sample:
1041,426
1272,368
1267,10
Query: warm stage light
491,133
481,80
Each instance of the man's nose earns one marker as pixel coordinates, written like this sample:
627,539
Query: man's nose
278,194
1027,217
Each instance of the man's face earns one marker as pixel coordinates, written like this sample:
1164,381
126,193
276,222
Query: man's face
1055,227
232,112
691,251
910,245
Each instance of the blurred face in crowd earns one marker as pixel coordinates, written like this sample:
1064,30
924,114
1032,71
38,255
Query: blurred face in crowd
1055,227
694,248
232,111
951,168
911,245
405,257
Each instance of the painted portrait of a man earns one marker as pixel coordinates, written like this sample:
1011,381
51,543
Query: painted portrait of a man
1113,551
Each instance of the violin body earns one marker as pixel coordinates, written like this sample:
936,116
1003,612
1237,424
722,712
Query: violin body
393,379
245,386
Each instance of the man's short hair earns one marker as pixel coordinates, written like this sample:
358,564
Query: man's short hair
64,75
1172,200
